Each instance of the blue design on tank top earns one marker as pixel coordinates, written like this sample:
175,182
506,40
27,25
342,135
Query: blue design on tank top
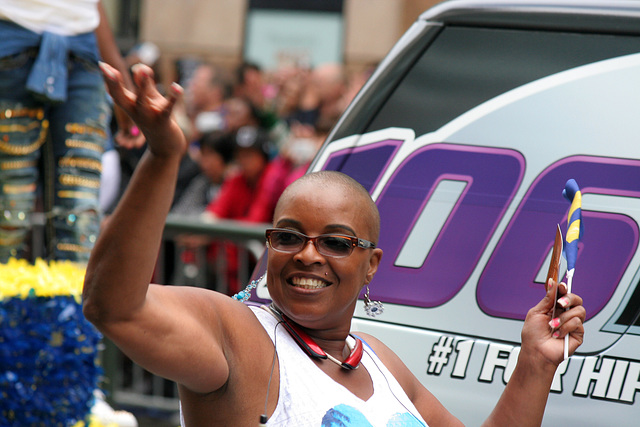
348,416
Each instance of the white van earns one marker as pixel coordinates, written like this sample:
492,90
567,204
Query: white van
465,136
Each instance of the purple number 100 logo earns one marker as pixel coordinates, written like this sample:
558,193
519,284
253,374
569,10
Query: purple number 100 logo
442,204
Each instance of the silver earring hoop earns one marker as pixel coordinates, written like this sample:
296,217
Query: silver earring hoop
372,308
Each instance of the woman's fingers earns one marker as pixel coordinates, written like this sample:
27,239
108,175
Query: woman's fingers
569,300
149,109
564,310
141,74
148,99
115,84
568,321
175,92
546,304
575,329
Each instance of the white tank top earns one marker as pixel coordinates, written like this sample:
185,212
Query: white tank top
310,398
63,17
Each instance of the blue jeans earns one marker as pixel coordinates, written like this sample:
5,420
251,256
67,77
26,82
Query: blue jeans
53,150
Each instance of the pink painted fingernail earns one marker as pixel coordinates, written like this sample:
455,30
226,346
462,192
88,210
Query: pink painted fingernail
556,334
176,88
138,68
135,131
564,302
554,323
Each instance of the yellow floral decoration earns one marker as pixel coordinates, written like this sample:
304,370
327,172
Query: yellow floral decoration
19,278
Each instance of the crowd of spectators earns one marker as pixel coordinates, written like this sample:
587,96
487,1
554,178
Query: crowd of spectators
275,123
251,133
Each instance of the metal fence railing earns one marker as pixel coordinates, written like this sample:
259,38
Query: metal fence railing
181,262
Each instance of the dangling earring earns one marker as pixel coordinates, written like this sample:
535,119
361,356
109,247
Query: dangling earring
372,308
245,294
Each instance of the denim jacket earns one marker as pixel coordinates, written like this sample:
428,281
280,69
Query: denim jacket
48,76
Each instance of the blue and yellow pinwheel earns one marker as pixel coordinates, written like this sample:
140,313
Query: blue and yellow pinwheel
575,227
575,230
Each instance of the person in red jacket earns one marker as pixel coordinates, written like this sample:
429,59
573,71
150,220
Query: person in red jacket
251,192
248,194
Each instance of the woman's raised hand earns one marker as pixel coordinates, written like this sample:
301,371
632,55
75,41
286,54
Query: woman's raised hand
544,328
148,108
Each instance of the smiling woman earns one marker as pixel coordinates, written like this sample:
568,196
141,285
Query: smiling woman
236,365
312,281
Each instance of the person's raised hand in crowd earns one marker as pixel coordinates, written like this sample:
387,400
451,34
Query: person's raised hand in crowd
128,135
148,108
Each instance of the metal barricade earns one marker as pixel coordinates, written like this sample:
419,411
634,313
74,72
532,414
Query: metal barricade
127,384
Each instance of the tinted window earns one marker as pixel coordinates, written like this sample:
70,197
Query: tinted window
467,66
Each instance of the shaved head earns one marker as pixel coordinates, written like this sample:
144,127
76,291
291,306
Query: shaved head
332,179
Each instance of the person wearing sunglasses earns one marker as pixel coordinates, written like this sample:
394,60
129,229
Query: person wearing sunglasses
295,362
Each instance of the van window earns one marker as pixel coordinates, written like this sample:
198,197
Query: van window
467,66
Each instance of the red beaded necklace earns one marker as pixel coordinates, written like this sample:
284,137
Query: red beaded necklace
312,349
